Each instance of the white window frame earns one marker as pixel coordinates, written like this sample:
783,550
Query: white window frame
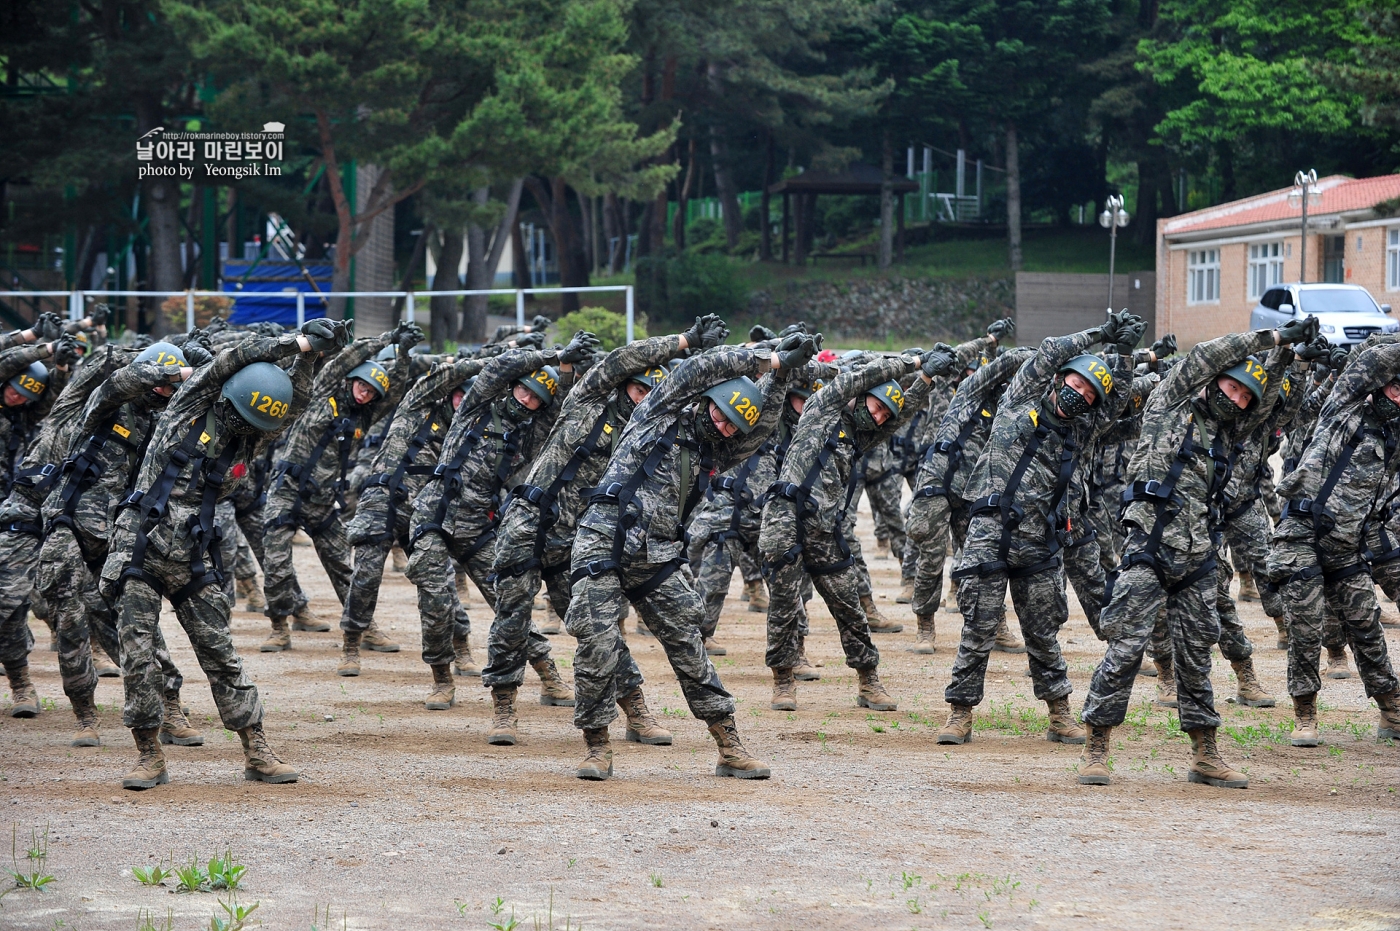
1265,267
1203,276
1392,258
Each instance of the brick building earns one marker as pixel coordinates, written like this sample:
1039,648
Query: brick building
1214,264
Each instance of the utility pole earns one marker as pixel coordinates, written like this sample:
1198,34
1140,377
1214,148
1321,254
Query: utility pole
1113,217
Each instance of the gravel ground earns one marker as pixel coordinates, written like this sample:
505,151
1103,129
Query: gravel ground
406,819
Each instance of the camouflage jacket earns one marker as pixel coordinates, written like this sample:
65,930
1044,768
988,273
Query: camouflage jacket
1251,454
19,424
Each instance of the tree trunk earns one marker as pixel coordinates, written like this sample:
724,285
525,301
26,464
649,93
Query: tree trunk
476,263
683,201
1013,195
765,228
724,179
1153,178
612,234
886,200
444,308
162,203
590,246
406,282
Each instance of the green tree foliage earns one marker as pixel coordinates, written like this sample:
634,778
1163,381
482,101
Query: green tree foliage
609,326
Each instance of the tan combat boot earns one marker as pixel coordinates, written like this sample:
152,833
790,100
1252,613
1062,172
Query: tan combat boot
1007,642
149,770
1147,668
553,624
1166,683
1388,728
1282,627
398,560
305,618
1206,765
958,730
906,593
102,663
1064,729
553,690
714,648
503,719
1250,692
444,693
1249,591
734,760
464,663
1305,730
24,700
251,593
1337,667
86,712
1093,765
177,728
597,764
924,642
260,764
879,624
784,691
280,639
642,726
1389,617
872,693
350,654
805,670
375,639
758,596
882,548
461,580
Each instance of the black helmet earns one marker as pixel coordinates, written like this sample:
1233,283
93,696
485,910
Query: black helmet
261,393
163,353
372,374
1093,370
740,400
32,382
544,382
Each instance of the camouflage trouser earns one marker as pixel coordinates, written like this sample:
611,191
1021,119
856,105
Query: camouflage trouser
848,530
885,495
1084,569
432,568
1099,517
1301,569
1248,535
18,554
204,615
1269,493
712,576
244,565
327,531
749,565
372,538
929,522
1041,609
672,612
226,519
248,502
1127,622
839,589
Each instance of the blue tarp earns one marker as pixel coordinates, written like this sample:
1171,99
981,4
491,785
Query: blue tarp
273,276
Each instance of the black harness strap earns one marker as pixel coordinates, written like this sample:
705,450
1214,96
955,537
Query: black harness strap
393,482
953,449
800,494
341,429
82,471
450,472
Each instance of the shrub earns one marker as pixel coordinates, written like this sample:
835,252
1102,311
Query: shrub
609,326
682,287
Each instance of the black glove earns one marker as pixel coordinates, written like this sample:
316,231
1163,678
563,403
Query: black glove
801,326
533,340
48,327
408,335
540,323
1002,328
580,347
325,335
141,341
1109,330
1338,359
759,333
262,328
217,324
707,332
65,351
797,350
940,360
1130,333
1166,346
196,355
100,313
1315,349
1298,331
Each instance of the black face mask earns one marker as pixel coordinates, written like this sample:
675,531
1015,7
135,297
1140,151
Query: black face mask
1386,409
705,426
1221,407
232,423
865,420
625,405
1071,403
512,411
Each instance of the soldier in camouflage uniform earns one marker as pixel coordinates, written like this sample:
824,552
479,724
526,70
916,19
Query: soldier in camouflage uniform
306,485
704,419
496,433
1170,554
805,517
165,544
1053,408
1318,559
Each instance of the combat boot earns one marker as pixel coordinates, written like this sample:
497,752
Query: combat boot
882,548
1282,626
906,593
305,618
784,691
86,712
1388,727
958,730
804,671
642,726
1389,617
597,764
1250,692
734,760
176,728
350,654
553,624
260,764
1337,667
375,639
1166,683
1249,590
1206,765
758,596
398,560
463,662
149,770
1007,642
872,694
280,639
1063,728
1093,765
444,693
463,590
1305,730
553,691
503,719
251,593
924,643
102,663
1147,669
24,700
879,624
714,648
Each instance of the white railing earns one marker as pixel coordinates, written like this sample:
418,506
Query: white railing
77,299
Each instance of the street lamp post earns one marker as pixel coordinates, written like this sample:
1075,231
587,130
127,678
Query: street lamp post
1305,192
1113,217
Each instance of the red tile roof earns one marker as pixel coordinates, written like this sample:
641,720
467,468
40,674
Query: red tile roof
1340,194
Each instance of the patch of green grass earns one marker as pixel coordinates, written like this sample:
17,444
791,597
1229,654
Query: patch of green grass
1006,719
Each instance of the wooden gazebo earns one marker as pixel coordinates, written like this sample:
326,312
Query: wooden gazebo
860,179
